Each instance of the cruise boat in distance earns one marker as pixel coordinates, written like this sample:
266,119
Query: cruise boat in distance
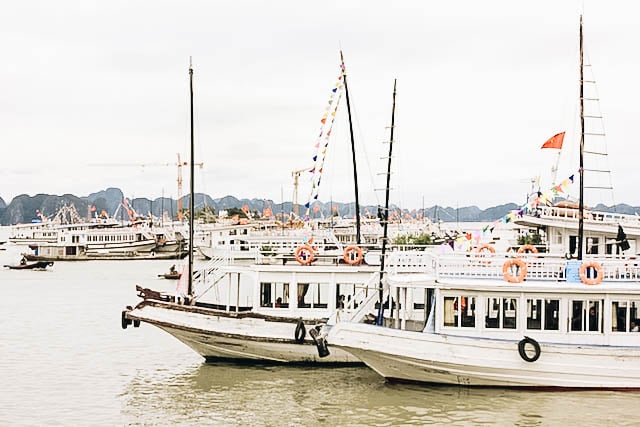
45,230
118,243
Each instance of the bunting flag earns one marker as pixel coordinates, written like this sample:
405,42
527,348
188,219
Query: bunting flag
541,199
322,143
555,141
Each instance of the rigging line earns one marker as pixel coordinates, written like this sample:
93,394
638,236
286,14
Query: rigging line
602,127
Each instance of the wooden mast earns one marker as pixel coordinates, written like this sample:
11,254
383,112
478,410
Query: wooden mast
353,149
385,213
191,204
581,168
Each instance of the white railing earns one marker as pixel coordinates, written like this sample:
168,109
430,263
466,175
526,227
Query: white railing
549,267
209,275
603,217
542,267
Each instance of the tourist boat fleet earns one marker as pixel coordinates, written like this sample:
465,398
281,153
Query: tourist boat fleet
563,314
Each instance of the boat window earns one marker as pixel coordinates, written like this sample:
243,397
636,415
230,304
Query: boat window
281,295
460,311
274,295
265,295
543,317
501,313
625,316
313,295
586,315
509,313
592,245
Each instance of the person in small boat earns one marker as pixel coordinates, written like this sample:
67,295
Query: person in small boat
172,269
23,261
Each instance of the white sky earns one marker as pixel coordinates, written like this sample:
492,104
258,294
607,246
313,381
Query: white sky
481,85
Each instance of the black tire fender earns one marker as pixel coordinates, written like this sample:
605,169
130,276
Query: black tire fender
123,319
300,333
523,353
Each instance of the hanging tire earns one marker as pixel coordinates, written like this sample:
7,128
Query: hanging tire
123,320
321,343
300,333
522,350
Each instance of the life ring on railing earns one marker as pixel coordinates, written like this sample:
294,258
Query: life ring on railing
483,250
591,280
486,247
522,350
300,332
353,255
520,265
304,254
527,249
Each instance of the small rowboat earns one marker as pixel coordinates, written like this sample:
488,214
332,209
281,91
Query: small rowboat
38,265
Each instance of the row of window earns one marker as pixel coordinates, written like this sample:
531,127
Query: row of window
309,295
541,314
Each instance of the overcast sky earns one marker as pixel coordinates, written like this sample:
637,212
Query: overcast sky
92,90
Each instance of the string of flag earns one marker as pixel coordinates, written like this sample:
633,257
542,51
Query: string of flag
541,198
322,143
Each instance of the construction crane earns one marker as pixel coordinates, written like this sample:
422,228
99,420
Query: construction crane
296,176
180,164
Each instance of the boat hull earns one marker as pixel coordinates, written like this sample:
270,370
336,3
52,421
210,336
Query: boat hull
115,256
408,356
224,336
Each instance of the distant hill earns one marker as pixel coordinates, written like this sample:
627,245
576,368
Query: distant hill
24,208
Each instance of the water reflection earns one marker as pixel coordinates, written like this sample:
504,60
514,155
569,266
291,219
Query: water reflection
228,394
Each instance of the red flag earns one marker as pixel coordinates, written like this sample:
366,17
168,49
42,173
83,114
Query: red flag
555,141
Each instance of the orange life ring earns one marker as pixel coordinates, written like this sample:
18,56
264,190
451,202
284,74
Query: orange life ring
522,270
349,256
485,250
487,247
527,249
304,254
593,280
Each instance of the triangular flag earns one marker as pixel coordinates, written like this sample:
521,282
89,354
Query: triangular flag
555,141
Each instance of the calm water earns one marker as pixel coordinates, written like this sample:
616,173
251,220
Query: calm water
64,360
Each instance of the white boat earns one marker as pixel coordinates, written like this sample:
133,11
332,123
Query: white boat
259,312
45,230
549,330
514,319
270,311
80,243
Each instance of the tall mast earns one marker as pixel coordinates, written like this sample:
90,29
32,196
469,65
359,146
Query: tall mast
385,214
353,149
191,174
581,168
